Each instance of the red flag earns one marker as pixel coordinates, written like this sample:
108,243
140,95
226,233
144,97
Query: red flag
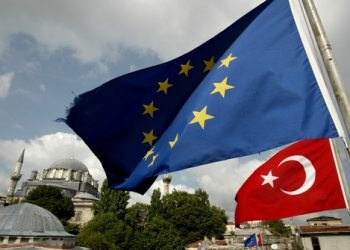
258,236
299,179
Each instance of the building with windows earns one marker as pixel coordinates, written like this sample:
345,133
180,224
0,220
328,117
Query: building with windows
326,233
70,175
83,203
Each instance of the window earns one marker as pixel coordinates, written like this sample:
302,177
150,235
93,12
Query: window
315,243
12,239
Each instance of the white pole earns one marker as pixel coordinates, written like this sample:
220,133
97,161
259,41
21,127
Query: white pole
325,48
340,171
339,89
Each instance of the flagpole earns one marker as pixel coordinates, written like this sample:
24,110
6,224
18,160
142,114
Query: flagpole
261,230
340,171
339,89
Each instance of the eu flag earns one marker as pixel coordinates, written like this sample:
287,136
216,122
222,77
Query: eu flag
248,89
251,241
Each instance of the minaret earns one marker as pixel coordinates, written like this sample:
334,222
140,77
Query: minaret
15,177
166,181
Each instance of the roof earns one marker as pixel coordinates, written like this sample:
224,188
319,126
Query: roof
324,229
323,218
203,244
85,196
27,219
194,244
69,163
21,157
249,231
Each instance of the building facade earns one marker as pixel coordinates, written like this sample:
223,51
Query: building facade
326,233
83,203
70,175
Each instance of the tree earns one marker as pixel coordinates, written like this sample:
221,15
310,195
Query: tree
112,201
51,198
192,215
217,221
159,234
105,231
137,216
276,227
156,208
71,228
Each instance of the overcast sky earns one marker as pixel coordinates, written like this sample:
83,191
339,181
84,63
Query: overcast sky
51,51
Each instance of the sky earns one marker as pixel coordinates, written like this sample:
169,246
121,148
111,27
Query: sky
51,51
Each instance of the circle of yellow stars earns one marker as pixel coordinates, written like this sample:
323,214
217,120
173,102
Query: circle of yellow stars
200,117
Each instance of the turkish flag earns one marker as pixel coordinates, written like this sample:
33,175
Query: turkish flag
299,179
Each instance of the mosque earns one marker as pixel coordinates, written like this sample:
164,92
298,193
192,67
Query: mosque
27,226
70,175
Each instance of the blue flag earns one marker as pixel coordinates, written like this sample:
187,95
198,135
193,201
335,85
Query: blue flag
252,241
249,89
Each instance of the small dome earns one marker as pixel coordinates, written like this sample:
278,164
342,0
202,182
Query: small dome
69,164
29,220
85,196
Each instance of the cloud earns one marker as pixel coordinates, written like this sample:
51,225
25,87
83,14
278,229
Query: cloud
42,87
43,151
98,29
5,84
220,180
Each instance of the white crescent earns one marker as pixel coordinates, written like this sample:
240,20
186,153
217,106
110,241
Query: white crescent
310,174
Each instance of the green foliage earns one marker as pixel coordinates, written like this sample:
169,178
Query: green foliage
192,215
156,207
105,231
159,234
51,198
71,228
276,227
112,201
137,216
168,223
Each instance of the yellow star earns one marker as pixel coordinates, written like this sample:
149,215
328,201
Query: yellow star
226,62
185,68
163,86
221,87
154,157
201,117
148,154
149,109
172,143
209,64
149,137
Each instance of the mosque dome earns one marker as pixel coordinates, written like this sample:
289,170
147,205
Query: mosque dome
26,219
69,163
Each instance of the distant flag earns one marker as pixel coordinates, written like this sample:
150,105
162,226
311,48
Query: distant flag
299,179
253,241
249,89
